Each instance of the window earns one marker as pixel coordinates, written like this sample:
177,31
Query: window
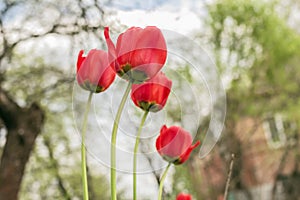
274,131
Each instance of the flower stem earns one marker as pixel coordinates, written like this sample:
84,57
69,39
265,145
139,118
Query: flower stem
161,184
83,153
113,143
136,146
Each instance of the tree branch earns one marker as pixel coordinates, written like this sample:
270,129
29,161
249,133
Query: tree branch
8,108
229,177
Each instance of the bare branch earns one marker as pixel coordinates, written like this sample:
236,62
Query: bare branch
150,161
229,177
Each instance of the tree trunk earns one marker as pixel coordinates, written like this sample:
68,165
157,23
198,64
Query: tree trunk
23,126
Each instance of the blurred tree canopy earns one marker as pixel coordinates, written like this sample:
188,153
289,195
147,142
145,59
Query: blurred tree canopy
38,41
261,52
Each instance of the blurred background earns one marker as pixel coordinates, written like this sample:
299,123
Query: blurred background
255,46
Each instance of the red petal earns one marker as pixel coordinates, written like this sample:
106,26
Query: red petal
144,49
150,51
163,129
175,141
186,154
106,32
126,45
95,72
112,56
80,59
183,196
154,91
158,140
158,144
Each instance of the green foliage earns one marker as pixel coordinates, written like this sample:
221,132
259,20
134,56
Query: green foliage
253,31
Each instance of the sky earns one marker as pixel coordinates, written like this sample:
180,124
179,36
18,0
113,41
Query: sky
182,16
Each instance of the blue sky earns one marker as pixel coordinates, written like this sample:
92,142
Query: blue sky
128,5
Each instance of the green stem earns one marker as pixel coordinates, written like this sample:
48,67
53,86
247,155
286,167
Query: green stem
83,153
113,143
136,146
161,184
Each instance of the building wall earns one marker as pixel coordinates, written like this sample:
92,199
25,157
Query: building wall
255,167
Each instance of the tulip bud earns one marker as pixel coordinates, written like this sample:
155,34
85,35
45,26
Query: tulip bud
174,144
183,196
94,72
152,95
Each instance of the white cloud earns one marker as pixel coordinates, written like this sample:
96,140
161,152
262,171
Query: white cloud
183,22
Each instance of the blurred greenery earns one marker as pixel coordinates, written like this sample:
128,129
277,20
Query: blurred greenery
264,54
257,49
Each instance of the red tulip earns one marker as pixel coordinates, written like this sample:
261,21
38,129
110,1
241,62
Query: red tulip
152,95
94,72
174,144
183,196
139,53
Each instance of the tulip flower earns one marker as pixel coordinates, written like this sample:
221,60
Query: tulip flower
95,75
139,53
94,72
152,95
183,196
174,144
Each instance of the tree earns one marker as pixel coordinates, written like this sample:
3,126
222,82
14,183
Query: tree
34,85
